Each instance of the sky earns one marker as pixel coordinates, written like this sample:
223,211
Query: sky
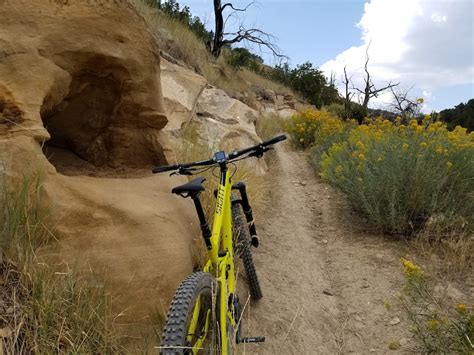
425,45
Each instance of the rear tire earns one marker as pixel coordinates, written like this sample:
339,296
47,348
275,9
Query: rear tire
242,249
175,331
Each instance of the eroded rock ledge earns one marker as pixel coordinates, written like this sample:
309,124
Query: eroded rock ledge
83,78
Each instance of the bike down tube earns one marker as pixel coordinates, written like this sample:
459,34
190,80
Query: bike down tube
223,193
223,263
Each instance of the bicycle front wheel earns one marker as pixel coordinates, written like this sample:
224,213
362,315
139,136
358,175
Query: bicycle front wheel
191,324
242,249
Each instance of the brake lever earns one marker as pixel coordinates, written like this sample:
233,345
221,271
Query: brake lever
183,171
259,153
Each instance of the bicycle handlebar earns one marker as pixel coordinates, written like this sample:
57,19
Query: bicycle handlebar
264,144
258,148
274,140
164,168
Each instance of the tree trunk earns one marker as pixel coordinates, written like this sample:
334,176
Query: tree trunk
219,29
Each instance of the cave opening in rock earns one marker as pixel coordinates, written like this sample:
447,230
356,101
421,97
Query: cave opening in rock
93,130
79,125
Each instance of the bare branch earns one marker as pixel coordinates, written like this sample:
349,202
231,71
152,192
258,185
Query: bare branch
253,35
403,105
348,97
389,86
231,14
237,9
369,91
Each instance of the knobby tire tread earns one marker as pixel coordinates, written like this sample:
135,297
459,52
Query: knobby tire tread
175,329
243,250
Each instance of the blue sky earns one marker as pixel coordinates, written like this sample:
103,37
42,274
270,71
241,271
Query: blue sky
426,45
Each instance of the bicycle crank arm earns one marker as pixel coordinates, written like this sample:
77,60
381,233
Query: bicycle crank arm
252,340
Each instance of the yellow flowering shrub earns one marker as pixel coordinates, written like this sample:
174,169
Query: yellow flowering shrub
314,128
412,271
403,176
439,327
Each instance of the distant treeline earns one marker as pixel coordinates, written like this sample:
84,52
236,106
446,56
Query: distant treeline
460,115
305,79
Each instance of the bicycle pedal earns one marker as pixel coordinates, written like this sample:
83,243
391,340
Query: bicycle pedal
252,340
254,241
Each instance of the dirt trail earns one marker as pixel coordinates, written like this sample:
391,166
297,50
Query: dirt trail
325,279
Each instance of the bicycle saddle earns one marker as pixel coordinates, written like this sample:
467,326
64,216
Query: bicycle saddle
194,186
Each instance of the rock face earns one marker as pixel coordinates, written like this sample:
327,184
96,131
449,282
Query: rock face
69,72
83,78
224,120
220,121
273,104
181,90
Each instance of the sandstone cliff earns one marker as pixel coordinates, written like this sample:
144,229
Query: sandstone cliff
80,94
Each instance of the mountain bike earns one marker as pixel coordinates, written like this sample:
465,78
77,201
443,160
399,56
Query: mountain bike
205,313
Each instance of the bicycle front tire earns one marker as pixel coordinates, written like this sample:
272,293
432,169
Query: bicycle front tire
176,337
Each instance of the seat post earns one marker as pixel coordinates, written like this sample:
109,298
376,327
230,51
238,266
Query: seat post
206,232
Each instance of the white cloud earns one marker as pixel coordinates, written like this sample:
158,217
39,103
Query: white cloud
438,18
416,42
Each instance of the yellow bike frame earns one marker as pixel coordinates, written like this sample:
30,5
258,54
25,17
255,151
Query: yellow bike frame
221,265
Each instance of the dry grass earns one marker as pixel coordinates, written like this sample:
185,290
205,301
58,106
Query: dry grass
182,44
263,82
453,252
147,336
173,36
269,127
46,308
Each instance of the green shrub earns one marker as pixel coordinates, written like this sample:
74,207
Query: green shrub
243,58
336,109
406,177
307,81
460,115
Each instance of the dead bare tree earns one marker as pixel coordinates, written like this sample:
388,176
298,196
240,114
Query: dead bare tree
403,105
253,35
370,90
348,97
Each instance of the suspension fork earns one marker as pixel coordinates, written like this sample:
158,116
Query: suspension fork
244,201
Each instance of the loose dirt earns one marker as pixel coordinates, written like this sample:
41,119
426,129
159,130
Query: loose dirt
330,286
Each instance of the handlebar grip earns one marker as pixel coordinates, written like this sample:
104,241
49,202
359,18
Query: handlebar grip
164,168
274,140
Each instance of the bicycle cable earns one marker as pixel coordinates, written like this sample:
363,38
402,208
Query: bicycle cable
203,170
235,169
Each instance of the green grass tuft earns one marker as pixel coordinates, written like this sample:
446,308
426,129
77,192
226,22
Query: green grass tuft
47,308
